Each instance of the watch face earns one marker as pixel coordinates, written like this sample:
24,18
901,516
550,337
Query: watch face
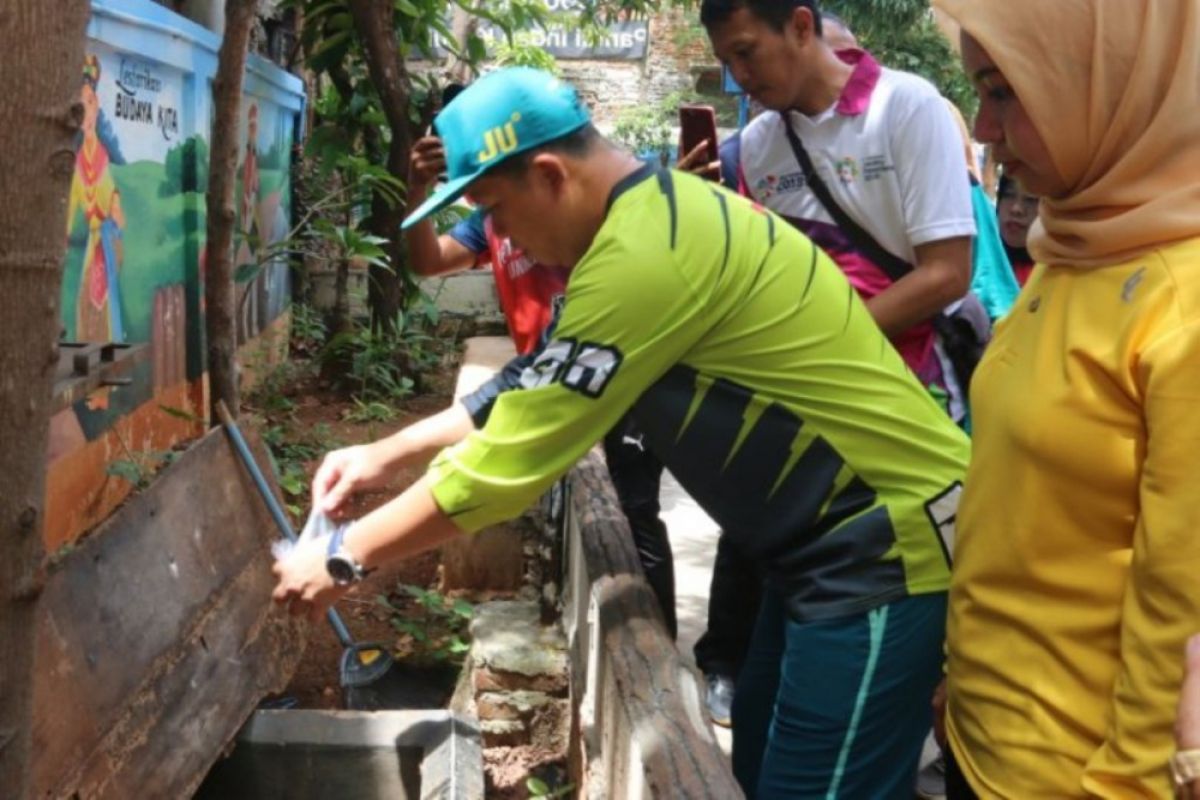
340,570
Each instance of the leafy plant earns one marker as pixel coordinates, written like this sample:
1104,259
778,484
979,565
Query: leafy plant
440,628
386,364
538,788
308,330
292,448
520,52
645,131
373,411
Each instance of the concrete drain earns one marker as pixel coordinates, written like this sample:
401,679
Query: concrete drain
351,755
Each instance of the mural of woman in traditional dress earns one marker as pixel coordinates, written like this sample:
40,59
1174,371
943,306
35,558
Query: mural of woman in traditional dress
95,194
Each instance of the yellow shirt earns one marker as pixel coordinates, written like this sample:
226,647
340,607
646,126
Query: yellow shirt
1076,579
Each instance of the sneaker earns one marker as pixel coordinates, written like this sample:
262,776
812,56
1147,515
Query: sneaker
719,699
931,780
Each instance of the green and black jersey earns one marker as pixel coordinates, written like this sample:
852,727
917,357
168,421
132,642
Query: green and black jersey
759,379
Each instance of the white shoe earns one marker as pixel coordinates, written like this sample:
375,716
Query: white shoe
931,781
719,699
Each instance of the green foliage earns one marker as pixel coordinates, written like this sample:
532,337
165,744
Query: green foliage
902,34
309,331
438,625
644,131
538,788
369,411
292,449
518,52
140,468
385,363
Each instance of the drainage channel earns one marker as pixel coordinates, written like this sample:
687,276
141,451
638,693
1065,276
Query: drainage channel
350,755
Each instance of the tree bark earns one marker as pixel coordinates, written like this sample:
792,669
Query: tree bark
40,112
373,20
219,289
462,24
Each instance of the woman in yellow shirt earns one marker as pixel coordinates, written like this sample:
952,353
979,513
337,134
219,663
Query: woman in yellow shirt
1075,576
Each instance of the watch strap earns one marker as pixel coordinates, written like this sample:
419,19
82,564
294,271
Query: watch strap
1185,768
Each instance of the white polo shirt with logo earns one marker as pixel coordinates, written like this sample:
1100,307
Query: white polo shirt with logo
892,158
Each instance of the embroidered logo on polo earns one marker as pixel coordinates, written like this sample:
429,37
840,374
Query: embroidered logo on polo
846,169
583,367
1132,284
768,186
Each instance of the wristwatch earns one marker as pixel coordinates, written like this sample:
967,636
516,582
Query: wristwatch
1185,768
339,562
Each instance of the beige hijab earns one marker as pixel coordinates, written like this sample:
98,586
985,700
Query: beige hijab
1113,87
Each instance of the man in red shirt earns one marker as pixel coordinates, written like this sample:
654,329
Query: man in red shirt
527,290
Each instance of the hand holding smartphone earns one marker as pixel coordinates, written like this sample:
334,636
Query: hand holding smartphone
698,125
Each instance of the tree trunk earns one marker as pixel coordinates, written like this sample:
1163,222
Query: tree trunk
40,113
462,24
219,289
373,21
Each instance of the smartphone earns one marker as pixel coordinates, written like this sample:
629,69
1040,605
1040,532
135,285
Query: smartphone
698,123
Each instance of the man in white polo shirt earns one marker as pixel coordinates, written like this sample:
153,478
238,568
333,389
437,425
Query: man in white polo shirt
885,147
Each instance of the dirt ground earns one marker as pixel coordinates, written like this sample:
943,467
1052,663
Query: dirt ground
316,683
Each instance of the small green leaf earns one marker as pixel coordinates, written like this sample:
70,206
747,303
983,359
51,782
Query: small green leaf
537,787
246,273
126,470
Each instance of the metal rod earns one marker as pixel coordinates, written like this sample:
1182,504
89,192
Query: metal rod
281,520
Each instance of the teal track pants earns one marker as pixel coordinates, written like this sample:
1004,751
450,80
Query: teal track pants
837,708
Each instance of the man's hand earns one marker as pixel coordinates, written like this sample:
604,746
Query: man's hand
426,162
939,714
693,162
1187,721
305,585
345,472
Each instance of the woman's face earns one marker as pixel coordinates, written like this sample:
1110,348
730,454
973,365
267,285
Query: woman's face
1016,210
91,108
1003,123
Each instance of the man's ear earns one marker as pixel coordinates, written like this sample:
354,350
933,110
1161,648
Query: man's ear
550,170
803,25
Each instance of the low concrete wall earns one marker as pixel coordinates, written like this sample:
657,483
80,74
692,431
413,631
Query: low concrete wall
639,730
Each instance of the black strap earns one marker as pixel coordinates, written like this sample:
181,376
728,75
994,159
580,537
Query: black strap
895,267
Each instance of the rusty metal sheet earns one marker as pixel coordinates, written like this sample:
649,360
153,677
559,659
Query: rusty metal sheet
157,636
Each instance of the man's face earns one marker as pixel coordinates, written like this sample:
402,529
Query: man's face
770,65
529,209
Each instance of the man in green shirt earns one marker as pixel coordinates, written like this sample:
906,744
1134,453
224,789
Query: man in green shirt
761,382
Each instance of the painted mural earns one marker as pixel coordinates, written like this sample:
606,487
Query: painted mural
263,217
133,230
134,270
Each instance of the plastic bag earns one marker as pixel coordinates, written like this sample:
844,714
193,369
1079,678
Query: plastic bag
319,527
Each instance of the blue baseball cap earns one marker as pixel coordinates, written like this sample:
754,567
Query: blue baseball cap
506,112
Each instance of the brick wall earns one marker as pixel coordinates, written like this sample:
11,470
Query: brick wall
678,51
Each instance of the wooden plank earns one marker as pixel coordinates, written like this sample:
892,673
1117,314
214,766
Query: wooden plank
157,636
653,733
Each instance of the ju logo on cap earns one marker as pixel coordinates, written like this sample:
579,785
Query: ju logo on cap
500,141
506,112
